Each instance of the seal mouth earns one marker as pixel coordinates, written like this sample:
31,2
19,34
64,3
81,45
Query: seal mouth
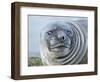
59,46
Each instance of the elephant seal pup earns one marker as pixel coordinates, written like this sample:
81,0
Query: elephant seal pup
63,43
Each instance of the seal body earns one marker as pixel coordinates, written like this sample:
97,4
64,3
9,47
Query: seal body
63,43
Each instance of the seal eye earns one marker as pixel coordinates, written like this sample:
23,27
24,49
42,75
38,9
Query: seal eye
69,33
49,33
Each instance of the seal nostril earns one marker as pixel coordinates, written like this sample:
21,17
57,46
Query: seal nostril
63,38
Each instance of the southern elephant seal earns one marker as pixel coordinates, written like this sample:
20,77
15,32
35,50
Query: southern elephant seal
64,43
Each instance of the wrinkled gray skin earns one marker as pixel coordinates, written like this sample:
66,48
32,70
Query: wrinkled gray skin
63,43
